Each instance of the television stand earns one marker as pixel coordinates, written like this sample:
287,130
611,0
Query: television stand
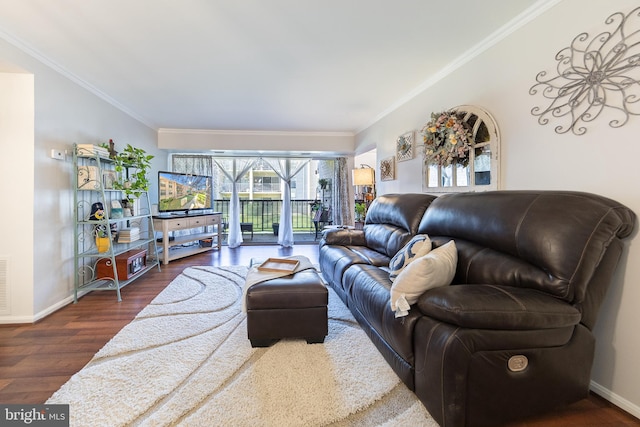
173,248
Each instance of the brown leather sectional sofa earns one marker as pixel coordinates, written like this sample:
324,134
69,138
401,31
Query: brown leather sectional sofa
512,336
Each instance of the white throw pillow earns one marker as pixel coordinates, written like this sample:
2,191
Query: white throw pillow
418,246
433,270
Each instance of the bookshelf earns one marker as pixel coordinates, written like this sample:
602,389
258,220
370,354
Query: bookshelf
104,260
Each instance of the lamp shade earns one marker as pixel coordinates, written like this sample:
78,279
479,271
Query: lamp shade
364,176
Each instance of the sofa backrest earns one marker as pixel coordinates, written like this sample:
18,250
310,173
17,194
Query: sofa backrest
552,241
392,219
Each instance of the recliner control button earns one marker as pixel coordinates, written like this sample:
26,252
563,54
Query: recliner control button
518,363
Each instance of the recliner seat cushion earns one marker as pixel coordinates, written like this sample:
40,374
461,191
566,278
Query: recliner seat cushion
334,261
369,294
497,307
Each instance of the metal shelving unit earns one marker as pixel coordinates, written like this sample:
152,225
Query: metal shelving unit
100,270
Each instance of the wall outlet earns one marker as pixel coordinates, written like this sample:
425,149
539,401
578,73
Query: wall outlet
57,154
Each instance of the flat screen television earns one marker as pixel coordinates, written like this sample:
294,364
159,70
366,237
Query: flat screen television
181,192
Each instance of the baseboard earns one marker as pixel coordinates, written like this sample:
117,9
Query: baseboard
616,399
53,308
15,320
8,320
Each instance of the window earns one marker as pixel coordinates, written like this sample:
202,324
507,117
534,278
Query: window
266,184
481,173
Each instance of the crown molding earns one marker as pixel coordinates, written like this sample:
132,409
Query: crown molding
254,132
34,53
500,34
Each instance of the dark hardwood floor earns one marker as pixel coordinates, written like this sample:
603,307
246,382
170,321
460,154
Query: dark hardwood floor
36,359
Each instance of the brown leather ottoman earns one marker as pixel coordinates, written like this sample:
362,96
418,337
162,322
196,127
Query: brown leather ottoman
293,306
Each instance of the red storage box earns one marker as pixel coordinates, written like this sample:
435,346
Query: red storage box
128,264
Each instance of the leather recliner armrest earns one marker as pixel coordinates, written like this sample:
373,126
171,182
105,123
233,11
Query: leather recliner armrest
497,307
343,237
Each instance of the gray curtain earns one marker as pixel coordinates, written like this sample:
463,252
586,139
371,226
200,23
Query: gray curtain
343,206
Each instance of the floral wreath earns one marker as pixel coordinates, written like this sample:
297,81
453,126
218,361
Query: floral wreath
447,137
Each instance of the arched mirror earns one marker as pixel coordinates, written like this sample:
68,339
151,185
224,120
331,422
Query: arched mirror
480,172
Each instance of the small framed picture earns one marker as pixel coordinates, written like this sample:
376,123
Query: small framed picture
108,179
388,169
405,146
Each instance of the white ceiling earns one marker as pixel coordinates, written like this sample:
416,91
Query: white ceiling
286,65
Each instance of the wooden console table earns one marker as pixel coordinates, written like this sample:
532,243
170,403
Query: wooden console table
174,248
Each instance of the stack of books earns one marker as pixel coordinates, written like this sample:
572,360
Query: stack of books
92,150
128,235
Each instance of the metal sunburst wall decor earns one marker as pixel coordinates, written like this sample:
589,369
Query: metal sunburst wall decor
594,75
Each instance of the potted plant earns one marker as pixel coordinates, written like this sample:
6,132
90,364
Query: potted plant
315,205
323,183
132,165
103,242
361,210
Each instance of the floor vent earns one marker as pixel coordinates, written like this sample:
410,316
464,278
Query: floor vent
4,286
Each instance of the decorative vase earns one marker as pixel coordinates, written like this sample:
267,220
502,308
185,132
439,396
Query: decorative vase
103,244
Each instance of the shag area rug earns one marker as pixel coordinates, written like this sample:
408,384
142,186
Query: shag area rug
186,360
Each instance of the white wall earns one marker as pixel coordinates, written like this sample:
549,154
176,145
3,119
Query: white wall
368,159
602,161
65,113
224,140
16,188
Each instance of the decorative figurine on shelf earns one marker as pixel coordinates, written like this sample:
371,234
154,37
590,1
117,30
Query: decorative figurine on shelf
112,149
127,206
99,230
97,212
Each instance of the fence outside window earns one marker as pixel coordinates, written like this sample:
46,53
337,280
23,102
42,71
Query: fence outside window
264,213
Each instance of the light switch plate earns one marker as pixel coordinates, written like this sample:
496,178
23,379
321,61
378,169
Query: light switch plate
57,154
